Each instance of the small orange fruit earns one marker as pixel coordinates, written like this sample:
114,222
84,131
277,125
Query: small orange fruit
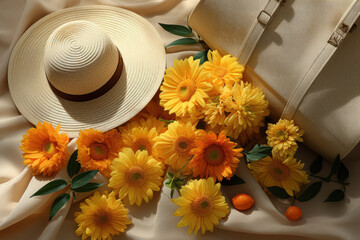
242,201
293,213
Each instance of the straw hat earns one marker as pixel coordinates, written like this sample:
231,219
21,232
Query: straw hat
86,67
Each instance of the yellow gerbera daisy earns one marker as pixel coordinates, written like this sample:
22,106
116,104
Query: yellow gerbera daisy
101,217
98,149
175,144
45,149
224,70
185,87
214,156
141,138
282,137
202,205
248,109
135,175
287,173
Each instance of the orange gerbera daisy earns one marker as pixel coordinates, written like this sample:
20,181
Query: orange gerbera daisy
45,149
185,87
214,156
98,149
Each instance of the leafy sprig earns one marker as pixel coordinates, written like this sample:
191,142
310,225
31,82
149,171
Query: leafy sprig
189,39
78,183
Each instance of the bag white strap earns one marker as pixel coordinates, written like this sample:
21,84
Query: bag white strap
257,30
324,56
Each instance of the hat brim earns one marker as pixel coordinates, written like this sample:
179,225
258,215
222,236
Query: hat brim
144,60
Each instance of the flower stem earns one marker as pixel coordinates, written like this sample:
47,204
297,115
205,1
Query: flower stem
328,180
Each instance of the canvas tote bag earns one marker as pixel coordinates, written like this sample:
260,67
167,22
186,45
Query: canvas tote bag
304,54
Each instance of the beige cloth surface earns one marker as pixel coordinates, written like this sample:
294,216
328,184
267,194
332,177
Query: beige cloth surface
25,218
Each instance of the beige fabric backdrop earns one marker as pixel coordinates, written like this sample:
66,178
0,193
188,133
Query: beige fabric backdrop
25,218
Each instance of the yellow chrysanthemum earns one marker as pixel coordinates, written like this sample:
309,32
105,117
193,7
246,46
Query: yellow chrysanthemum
214,156
248,109
101,217
185,87
287,173
202,205
175,144
135,175
97,149
45,149
148,123
140,138
224,70
282,137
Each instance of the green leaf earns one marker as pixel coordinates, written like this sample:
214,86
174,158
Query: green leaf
167,182
170,174
202,56
234,180
177,29
343,172
178,183
334,167
182,41
82,179
73,166
172,193
51,187
279,192
336,196
88,187
316,165
258,152
58,203
310,192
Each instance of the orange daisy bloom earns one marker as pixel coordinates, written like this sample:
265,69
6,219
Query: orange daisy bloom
98,149
214,156
45,149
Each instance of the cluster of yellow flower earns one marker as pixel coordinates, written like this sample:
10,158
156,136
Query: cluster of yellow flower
282,169
216,92
134,156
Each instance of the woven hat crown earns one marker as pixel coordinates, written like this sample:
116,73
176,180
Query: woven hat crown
79,58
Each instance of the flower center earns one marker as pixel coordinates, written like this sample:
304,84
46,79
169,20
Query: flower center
279,171
214,155
186,90
49,149
102,218
98,151
282,135
220,71
142,144
182,146
202,206
135,176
